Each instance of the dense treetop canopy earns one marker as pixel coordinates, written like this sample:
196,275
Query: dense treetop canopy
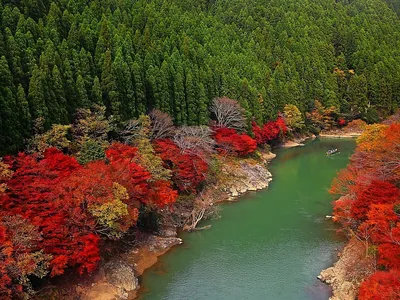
132,56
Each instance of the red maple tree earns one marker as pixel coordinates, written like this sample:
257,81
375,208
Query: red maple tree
188,171
381,286
230,142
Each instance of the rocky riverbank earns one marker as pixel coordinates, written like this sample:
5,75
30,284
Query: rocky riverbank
353,266
244,176
341,133
349,271
297,141
118,278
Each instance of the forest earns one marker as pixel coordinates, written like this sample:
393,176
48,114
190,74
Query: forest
116,114
369,206
176,56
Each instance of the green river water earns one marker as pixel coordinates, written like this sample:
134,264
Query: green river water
270,245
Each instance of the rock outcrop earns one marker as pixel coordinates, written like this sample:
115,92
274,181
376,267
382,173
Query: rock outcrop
349,271
157,243
121,275
245,176
116,279
167,231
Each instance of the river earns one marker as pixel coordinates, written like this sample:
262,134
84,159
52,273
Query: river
270,245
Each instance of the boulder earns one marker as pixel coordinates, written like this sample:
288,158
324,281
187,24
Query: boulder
161,243
121,275
233,192
251,187
242,189
103,291
168,232
261,185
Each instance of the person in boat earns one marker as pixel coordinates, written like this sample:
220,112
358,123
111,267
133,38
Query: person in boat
331,151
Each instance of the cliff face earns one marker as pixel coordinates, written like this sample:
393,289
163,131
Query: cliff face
349,271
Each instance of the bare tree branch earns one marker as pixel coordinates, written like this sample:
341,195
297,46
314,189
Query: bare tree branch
228,113
161,125
203,208
131,131
195,140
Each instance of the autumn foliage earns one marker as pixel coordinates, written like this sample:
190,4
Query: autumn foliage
322,117
33,196
341,122
188,171
376,192
75,189
356,125
73,206
381,286
269,131
136,179
19,257
229,141
370,205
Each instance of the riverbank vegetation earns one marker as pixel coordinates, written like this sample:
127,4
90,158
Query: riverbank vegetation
176,56
118,114
368,208
79,186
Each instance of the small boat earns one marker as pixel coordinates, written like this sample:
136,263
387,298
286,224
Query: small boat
332,151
